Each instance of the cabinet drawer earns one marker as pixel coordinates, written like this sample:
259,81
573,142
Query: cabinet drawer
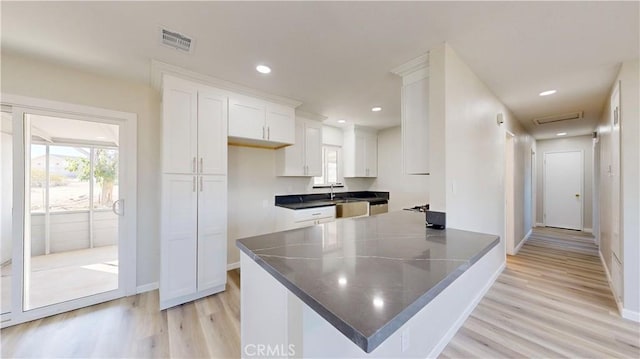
311,214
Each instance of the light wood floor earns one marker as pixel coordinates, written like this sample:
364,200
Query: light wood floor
552,301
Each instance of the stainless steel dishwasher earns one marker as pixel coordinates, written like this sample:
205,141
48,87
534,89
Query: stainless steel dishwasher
378,207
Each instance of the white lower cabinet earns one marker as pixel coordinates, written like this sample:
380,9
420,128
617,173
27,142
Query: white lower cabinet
194,241
299,218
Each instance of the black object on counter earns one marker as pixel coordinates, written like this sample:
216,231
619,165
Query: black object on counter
436,220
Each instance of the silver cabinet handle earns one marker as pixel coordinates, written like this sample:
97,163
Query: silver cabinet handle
193,165
263,136
268,133
194,184
201,165
119,204
201,185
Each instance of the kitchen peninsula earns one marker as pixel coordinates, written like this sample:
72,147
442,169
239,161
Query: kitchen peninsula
380,286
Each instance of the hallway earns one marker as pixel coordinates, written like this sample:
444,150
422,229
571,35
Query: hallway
552,301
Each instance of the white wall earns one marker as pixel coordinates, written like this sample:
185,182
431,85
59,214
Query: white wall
629,78
472,182
577,143
405,190
28,76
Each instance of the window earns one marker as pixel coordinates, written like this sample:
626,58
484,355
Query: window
331,167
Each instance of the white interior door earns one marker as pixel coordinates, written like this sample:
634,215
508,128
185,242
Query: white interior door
563,177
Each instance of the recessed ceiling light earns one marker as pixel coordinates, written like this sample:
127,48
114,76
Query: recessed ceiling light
547,93
263,69
342,121
376,109
561,134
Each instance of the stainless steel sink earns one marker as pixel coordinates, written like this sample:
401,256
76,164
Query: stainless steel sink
351,208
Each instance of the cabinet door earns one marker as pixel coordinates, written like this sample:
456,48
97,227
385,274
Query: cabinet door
246,118
212,132
415,127
179,128
313,148
212,231
178,238
371,155
280,122
290,160
360,155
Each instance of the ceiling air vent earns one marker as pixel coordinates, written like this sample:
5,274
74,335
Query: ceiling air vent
558,118
176,40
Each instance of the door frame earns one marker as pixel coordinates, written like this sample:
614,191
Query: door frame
509,192
545,203
127,231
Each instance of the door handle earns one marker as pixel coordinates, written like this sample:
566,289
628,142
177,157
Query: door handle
193,166
118,207
263,136
194,184
201,185
201,165
577,195
268,133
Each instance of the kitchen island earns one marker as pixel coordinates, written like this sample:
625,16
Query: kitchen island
380,286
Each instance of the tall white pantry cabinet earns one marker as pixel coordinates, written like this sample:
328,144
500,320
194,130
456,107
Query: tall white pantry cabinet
194,191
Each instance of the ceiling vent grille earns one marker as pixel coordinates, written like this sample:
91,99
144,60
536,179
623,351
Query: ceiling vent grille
558,118
176,40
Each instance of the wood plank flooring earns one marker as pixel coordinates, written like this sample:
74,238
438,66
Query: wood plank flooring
552,301
134,327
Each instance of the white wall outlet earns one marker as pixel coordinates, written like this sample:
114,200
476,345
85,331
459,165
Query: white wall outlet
404,338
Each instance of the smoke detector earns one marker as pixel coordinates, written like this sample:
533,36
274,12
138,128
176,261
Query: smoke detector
558,118
176,40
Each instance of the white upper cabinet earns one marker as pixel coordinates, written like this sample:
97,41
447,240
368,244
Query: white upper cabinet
212,127
246,117
360,152
280,124
179,126
256,122
193,124
415,116
304,158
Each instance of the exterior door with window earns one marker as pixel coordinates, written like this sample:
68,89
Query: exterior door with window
72,229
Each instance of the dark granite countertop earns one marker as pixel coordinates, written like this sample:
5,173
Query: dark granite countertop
314,200
368,276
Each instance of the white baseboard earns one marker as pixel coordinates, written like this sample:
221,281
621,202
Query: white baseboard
631,315
587,230
526,237
539,224
610,282
465,314
147,287
234,265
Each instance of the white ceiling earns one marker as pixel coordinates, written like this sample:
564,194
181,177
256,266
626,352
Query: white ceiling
336,57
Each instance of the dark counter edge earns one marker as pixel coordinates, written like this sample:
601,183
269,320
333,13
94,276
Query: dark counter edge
315,200
368,344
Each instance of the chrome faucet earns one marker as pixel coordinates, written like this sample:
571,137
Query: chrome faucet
333,195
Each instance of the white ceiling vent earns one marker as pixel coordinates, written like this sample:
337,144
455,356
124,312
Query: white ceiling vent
176,40
558,118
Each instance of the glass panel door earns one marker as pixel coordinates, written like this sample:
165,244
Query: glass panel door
71,230
6,201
